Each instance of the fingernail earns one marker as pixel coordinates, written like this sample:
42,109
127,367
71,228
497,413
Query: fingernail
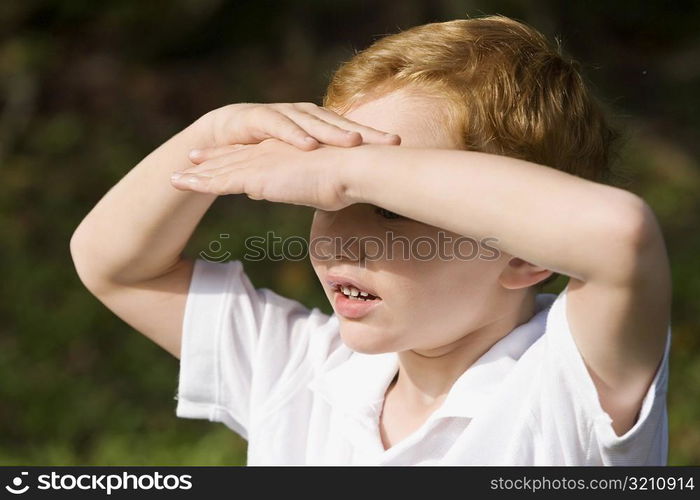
310,140
195,153
175,176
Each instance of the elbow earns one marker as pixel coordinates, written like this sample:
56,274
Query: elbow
78,248
82,258
640,252
634,222
76,251
77,254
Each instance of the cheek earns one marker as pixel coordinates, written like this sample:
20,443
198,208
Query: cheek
447,278
442,299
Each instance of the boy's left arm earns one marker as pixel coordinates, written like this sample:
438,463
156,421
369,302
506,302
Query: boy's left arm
605,239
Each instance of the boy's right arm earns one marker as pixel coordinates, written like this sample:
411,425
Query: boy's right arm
128,249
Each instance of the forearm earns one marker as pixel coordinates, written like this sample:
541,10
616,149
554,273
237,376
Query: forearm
547,217
138,230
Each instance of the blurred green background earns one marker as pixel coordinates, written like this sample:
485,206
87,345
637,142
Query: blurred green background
89,88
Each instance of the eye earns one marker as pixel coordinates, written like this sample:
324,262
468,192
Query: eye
387,214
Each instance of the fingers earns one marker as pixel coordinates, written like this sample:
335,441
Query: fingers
325,132
321,124
213,171
230,181
275,124
303,125
369,134
212,162
197,156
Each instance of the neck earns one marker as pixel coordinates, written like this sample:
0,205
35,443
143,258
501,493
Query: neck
425,377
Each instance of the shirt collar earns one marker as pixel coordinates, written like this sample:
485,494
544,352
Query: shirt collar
357,386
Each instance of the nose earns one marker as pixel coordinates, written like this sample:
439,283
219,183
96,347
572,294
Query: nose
338,235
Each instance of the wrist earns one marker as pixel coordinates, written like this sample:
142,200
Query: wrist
356,171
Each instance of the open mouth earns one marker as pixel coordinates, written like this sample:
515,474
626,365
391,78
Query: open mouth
352,299
354,293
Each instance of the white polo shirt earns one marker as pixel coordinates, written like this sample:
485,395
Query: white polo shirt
279,375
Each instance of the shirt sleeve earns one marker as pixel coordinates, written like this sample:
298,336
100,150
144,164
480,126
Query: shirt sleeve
245,350
646,443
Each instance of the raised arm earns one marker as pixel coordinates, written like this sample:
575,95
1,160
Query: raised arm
605,239
128,249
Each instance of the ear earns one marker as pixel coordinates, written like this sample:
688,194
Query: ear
519,273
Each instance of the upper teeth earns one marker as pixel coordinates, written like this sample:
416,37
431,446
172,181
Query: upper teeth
352,291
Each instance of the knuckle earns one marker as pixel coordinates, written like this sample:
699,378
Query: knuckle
277,106
259,111
316,119
306,106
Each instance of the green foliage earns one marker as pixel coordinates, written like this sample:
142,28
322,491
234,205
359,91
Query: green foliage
90,88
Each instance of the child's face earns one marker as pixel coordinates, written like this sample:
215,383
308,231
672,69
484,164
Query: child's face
425,302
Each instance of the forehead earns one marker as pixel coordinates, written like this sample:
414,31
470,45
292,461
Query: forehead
420,120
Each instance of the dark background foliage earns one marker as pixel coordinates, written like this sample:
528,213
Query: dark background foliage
89,88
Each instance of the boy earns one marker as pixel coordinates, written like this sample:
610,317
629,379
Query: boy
471,129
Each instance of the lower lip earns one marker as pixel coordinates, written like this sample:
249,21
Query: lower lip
353,308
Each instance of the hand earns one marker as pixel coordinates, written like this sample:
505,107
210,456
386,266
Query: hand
272,170
303,125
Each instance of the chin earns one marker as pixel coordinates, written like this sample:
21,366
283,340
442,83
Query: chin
364,339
